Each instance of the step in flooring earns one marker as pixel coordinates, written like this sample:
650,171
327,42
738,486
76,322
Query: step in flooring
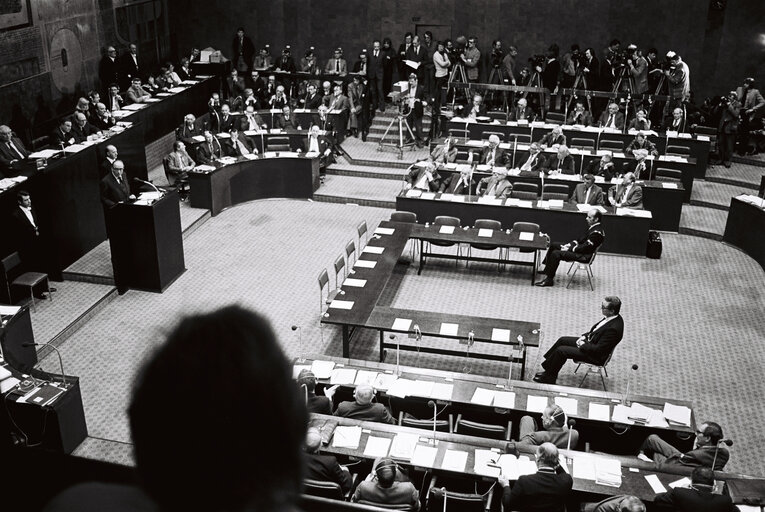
367,171
715,195
366,153
357,190
702,221
743,175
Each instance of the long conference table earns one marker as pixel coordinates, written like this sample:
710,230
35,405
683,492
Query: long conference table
745,227
65,192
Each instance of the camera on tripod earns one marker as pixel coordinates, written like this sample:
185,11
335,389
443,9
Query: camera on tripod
496,57
537,61
619,59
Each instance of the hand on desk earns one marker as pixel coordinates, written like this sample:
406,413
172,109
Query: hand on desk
330,391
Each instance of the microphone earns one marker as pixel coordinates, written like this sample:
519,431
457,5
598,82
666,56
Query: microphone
152,185
60,361
571,423
432,404
299,329
726,442
629,381
398,353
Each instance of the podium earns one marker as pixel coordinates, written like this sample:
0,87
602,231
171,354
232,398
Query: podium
146,243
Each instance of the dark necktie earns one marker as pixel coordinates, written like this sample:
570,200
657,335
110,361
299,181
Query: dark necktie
337,65
376,54
610,120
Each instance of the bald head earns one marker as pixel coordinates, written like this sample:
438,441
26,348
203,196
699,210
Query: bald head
547,455
312,440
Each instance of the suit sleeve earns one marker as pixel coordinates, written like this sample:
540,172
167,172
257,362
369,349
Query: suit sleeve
636,198
385,415
342,477
665,500
513,495
605,344
107,200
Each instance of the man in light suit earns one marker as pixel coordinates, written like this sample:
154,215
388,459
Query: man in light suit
458,183
210,150
639,69
423,175
627,194
179,163
587,192
593,346
446,152
136,93
497,185
362,408
492,154
577,250
533,161
12,152
337,65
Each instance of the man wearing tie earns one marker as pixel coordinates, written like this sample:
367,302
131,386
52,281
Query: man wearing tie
375,76
627,194
287,120
603,167
641,142
251,120
554,138
563,163
319,146
242,50
417,54
423,176
677,123
129,66
336,65
62,136
497,185
587,192
458,183
638,166
580,116
12,152
522,112
114,186
111,157
593,346
492,154
534,160
446,152
238,145
226,119
115,100
26,233
188,129
209,150
179,163
612,118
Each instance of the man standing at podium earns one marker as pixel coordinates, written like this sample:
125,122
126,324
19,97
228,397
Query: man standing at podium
114,187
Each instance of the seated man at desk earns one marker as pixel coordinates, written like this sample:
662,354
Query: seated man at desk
385,487
593,346
627,194
102,118
554,429
314,403
362,408
641,142
492,155
446,152
576,250
62,136
533,161
210,150
423,175
238,145
497,185
249,99
563,163
603,167
458,183
136,93
676,123
638,166
612,118
555,137
579,116
699,497
114,186
321,146
188,129
641,122
706,449
322,120
547,490
251,120
226,119
522,112
312,99
179,163
324,468
82,129
587,192
286,120
620,503
475,109
12,152
279,98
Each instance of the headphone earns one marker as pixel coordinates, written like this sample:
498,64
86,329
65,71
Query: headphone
386,463
557,415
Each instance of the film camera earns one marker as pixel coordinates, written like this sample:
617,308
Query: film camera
537,61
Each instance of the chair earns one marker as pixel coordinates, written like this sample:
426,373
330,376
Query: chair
611,145
523,138
350,251
339,267
523,190
387,506
410,218
458,133
323,280
487,224
526,226
323,489
486,134
439,499
555,117
26,280
278,144
462,157
679,151
445,220
673,175
178,181
586,266
594,368
409,421
555,192
577,142
361,229
474,428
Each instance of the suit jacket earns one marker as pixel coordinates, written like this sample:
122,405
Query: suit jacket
242,48
567,166
640,73
607,172
678,126
313,102
176,162
183,74
244,123
82,134
454,185
285,124
375,65
326,469
234,150
205,156
129,69
370,412
135,94
416,174
602,341
693,500
549,140
58,137
557,437
339,102
729,118
234,88
502,190
331,66
500,158
618,118
538,163
108,71
23,231
113,192
7,155
325,124
585,118
634,167
103,123
589,242
286,64
752,100
517,113
647,144
226,122
260,63
637,124
580,192
544,491
319,405
419,96
634,198
186,132
439,155
397,494
703,456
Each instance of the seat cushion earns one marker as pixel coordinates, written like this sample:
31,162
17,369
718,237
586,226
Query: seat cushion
30,279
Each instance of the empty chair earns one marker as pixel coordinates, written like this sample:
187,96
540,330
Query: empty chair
30,280
445,220
399,216
474,428
523,190
426,424
555,117
679,150
462,157
278,144
440,499
459,134
323,280
361,230
486,134
577,142
663,174
594,368
551,191
494,225
526,227
350,252
339,269
611,145
582,265
522,138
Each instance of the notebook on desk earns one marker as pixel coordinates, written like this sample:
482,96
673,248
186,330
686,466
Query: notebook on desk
44,395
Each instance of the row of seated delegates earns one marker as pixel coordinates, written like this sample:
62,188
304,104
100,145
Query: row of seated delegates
13,154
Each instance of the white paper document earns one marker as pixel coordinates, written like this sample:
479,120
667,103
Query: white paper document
342,376
536,403
608,472
384,231
442,391
365,377
486,233
365,264
424,456
346,437
384,380
487,463
454,460
502,335
421,388
482,396
584,467
357,283
677,414
403,446
341,304
600,412
655,484
569,405
448,329
683,482
377,447
401,324
526,236
322,369
400,388
373,250
504,399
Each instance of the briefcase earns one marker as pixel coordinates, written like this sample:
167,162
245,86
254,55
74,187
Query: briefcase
653,250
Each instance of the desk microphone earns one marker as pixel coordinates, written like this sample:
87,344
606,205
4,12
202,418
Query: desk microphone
60,361
398,351
299,329
571,423
152,185
629,381
432,404
727,442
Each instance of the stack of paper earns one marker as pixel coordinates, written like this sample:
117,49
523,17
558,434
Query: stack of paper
365,377
487,463
678,414
403,446
322,369
377,446
342,376
514,467
384,380
346,437
608,472
584,467
500,399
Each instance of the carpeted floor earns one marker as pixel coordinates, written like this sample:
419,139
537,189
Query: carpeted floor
693,319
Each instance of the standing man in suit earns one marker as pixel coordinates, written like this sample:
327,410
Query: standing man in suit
639,69
362,407
338,101
25,231
242,51
752,110
129,66
627,194
416,54
593,346
577,250
111,156
698,498
375,76
587,192
728,127
114,186
612,118
108,69
471,58
403,51
416,101
12,152
324,468
547,490
705,450
554,429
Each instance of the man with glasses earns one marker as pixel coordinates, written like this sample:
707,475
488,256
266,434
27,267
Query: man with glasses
593,346
705,449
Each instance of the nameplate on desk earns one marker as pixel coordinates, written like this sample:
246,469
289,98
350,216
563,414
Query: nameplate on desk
223,135
485,233
669,185
384,231
75,148
526,236
401,324
448,329
414,192
357,283
341,304
446,230
371,249
365,264
490,200
428,195
702,138
458,199
502,335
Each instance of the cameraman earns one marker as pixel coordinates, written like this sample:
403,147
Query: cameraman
495,75
612,63
639,69
442,63
569,66
508,64
471,57
728,127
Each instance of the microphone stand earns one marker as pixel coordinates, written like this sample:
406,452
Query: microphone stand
299,329
398,353
152,185
629,381
515,146
432,404
726,442
60,361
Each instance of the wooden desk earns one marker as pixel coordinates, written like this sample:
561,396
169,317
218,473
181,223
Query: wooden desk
745,228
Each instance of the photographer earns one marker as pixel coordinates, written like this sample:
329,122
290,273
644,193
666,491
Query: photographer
679,79
508,64
639,69
728,127
569,66
495,75
753,105
442,64
471,57
612,63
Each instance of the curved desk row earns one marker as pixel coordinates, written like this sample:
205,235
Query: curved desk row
745,228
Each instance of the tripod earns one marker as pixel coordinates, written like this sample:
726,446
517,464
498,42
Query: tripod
399,142
497,77
457,75
652,99
536,81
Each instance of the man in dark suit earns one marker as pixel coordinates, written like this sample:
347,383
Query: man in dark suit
114,100
184,69
251,120
257,84
111,157
521,111
226,119
234,85
312,99
423,175
492,154
237,144
322,120
458,183
12,152
576,250
618,503
416,102
324,468
129,67
563,162
25,231
611,117
532,161
706,450
547,490
497,185
362,407
418,54
639,166
587,192
593,346
82,129
62,136
108,69
242,51
603,167
375,75
641,142
188,129
210,150
728,127
555,137
114,186
339,101
102,119
554,429
320,146
386,487
446,152
286,120
579,115
699,498
315,404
